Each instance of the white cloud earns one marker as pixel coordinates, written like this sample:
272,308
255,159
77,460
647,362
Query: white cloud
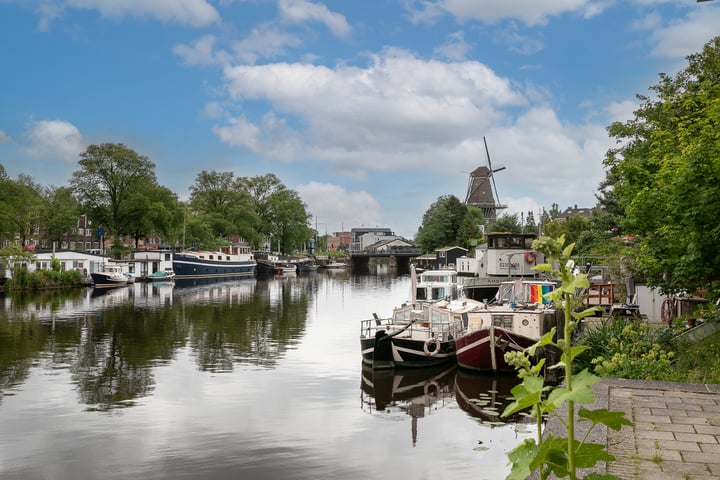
54,140
265,41
200,53
196,13
332,206
492,11
686,36
392,114
621,111
456,48
301,11
48,12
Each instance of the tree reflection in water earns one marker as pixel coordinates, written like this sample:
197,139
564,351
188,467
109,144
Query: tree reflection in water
111,340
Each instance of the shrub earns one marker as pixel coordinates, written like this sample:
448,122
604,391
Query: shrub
628,349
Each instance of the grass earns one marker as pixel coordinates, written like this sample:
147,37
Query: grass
697,362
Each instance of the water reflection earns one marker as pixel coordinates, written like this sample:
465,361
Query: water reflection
485,396
252,378
111,339
418,392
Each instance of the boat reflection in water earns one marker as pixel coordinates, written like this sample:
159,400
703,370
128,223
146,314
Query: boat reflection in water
485,396
415,392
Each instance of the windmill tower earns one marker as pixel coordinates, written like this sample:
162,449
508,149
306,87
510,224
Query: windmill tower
480,190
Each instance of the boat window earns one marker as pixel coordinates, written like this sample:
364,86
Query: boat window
504,321
438,293
420,294
211,257
439,317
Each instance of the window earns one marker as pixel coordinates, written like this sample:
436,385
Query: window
504,321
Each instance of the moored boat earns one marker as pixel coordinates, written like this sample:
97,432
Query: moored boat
422,331
336,266
306,267
109,276
285,267
517,319
434,285
166,275
229,261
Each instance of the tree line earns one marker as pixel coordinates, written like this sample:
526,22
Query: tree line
118,190
658,205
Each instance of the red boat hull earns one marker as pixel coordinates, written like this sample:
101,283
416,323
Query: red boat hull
484,349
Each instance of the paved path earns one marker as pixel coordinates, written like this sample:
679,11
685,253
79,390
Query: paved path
675,432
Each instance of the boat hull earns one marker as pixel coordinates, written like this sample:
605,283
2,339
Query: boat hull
484,349
384,351
188,266
104,280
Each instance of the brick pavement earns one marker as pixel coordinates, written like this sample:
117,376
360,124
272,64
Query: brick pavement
675,432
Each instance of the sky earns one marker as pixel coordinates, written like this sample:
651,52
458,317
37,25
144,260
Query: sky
371,110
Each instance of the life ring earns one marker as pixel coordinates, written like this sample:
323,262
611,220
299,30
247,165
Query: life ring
432,388
426,347
530,257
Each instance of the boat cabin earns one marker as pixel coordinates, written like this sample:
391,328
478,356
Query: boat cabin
437,285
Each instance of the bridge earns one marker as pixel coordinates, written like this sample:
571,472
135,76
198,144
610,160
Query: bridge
400,255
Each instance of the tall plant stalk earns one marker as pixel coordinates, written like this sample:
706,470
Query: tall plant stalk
549,454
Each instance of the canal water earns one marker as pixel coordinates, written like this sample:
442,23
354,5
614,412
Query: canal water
253,379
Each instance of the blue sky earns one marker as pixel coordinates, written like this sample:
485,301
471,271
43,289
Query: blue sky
370,110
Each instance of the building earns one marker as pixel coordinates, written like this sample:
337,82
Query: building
362,238
447,257
339,241
574,211
392,245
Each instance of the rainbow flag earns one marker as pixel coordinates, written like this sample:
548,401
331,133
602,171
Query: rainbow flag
537,292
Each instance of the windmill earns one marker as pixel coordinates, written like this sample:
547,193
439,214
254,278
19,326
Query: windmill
480,189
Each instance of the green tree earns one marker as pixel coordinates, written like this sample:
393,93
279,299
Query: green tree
221,201
666,175
152,209
443,224
60,218
508,223
22,204
109,175
281,214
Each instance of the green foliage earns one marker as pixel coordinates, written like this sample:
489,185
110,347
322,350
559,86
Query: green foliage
559,456
697,362
508,223
109,176
445,224
664,179
629,349
60,216
24,280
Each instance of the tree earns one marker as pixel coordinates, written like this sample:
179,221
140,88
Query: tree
221,201
149,210
443,224
666,175
508,223
22,207
109,175
281,214
60,218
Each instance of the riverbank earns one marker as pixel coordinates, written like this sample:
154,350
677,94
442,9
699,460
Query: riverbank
675,432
